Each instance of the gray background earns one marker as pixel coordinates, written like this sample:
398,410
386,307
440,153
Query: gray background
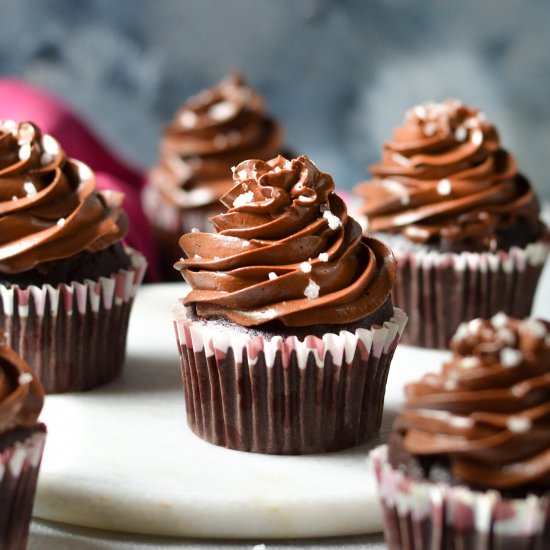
338,74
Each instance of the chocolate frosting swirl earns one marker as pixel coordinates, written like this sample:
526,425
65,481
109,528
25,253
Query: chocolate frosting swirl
488,411
210,133
285,250
21,394
49,206
445,179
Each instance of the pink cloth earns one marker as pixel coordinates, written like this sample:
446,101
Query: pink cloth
21,101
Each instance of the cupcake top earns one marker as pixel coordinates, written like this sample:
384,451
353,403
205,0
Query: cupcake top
21,394
445,180
49,206
488,411
285,250
210,133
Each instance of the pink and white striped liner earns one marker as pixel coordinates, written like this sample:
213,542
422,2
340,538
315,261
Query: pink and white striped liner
440,290
285,395
419,514
19,466
72,335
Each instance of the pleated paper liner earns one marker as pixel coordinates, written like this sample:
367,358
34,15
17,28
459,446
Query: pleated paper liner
19,465
440,290
73,335
420,514
285,396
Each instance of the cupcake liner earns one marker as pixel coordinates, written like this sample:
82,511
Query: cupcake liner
440,290
420,514
19,465
285,396
73,335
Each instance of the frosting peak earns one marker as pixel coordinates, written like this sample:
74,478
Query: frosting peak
445,179
49,206
488,411
285,250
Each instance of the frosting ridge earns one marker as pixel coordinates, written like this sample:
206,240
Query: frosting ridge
488,410
285,250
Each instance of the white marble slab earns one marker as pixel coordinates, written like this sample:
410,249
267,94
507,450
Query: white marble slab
121,457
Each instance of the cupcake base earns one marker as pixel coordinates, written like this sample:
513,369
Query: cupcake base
420,514
285,395
73,335
440,290
20,456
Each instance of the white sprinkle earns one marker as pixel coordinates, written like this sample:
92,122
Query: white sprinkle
334,222
244,244
461,133
323,257
507,336
29,188
243,199
233,168
469,363
216,258
305,267
272,275
46,158
25,152
444,187
312,290
481,116
510,357
499,320
533,327
477,137
14,198
8,126
400,159
242,174
188,119
196,257
405,200
223,110
220,141
420,111
450,385
25,378
195,230
61,222
461,332
471,122
429,129
518,424
25,133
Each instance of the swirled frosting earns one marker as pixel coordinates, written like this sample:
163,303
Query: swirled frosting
285,250
49,206
210,133
488,411
21,394
445,179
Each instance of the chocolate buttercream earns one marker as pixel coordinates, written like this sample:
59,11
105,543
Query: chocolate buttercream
488,411
444,179
49,206
285,250
21,394
210,133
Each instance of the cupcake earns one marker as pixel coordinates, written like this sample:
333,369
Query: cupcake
287,334
210,134
66,281
22,441
462,222
468,462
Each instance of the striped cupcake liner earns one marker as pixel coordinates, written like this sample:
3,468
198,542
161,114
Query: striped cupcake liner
285,396
423,514
72,335
440,290
19,466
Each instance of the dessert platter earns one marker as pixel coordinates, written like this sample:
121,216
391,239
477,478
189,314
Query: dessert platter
122,458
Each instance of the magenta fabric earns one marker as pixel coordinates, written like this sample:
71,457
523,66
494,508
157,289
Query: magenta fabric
21,101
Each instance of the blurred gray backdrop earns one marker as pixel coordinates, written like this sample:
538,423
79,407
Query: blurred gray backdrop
338,74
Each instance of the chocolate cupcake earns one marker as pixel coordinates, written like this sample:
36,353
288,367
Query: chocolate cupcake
66,281
22,440
462,222
468,463
210,134
287,335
